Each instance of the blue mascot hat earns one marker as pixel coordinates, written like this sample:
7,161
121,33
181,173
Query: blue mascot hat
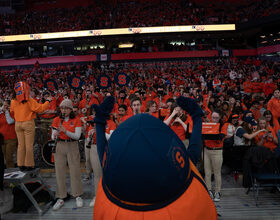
145,161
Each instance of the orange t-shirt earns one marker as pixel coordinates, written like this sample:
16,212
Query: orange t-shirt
83,103
155,114
177,128
52,106
88,126
111,126
123,118
69,125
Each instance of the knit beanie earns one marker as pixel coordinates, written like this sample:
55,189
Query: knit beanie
66,103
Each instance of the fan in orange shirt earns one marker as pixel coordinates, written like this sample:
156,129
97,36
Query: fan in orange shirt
121,116
88,101
110,127
270,122
266,138
122,100
25,109
67,131
151,108
274,105
177,122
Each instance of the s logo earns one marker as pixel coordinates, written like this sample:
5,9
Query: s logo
122,79
180,159
104,81
17,86
50,85
75,82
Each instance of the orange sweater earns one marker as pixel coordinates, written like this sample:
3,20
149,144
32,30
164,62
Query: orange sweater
27,111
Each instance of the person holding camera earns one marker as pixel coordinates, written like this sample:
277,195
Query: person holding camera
177,121
266,138
243,136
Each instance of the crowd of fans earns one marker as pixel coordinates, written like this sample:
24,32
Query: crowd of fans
135,14
242,95
249,77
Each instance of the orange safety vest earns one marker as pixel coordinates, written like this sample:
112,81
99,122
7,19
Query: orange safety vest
194,203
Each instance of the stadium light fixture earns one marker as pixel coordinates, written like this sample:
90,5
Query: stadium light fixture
127,45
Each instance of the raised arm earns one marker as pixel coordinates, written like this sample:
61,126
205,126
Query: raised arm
102,111
190,106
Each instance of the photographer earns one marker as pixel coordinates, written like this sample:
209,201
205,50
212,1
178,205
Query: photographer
266,138
177,121
161,97
243,137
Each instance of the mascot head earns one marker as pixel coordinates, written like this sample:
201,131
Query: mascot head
146,164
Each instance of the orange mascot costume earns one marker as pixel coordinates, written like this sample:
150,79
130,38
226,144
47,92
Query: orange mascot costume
148,174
